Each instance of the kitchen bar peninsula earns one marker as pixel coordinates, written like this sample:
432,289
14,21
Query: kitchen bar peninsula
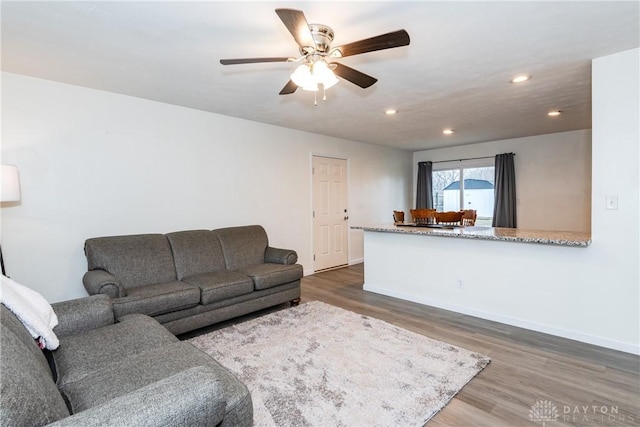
527,278
565,238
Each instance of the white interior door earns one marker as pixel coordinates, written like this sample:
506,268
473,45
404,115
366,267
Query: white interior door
330,215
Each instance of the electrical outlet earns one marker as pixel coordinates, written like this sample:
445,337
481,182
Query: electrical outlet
459,284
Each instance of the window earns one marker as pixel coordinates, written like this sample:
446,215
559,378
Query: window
468,185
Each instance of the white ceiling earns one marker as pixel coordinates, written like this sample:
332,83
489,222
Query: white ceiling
455,73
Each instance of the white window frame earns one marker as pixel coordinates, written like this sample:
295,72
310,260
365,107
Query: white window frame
460,165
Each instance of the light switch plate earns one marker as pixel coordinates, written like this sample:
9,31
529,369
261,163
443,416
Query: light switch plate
611,202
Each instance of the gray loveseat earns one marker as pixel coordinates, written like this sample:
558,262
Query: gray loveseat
190,279
133,372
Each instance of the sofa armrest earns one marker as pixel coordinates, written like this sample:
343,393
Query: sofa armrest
83,314
280,256
193,397
103,282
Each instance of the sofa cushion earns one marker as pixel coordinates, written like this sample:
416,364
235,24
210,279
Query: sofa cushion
243,246
196,252
221,285
200,312
193,397
266,276
147,367
157,299
28,395
82,354
134,260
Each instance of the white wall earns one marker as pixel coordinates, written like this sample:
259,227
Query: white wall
615,172
553,176
94,163
589,294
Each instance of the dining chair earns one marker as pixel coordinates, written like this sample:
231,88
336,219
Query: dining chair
449,218
423,216
469,217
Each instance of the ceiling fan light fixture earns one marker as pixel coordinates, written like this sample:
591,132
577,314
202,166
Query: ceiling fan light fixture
323,74
302,76
310,86
330,82
308,76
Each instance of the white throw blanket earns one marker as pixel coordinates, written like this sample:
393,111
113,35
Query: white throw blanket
33,310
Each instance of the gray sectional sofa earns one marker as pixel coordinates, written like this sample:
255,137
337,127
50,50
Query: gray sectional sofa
128,373
190,279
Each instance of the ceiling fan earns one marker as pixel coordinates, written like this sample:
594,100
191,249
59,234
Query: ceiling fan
314,41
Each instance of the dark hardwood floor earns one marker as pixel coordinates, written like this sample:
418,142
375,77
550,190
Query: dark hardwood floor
589,385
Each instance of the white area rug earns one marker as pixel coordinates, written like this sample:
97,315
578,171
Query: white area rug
320,365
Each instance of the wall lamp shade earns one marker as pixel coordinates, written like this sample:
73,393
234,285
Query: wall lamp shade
10,184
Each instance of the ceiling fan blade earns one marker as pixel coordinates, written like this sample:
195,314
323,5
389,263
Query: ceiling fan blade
354,76
297,25
289,88
383,41
252,60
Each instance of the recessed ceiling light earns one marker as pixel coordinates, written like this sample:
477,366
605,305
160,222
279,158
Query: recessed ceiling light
390,111
554,113
447,131
520,78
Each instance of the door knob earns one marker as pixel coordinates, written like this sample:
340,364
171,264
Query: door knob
346,218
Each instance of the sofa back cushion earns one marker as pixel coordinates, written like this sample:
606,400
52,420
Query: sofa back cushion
196,252
243,246
135,260
29,396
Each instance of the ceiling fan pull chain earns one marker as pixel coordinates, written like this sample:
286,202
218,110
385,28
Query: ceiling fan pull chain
324,93
315,99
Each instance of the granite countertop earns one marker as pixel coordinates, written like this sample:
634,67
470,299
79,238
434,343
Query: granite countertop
563,238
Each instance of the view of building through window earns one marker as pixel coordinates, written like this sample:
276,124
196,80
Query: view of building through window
465,188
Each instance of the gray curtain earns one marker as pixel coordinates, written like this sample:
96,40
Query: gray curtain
504,202
424,193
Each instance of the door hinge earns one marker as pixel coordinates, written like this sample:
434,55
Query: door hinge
314,257
314,214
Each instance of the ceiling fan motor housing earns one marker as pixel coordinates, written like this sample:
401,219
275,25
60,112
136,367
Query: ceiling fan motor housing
322,36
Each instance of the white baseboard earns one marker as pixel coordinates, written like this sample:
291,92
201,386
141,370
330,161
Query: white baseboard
352,262
564,333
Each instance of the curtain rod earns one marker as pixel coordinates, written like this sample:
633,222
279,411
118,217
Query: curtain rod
461,160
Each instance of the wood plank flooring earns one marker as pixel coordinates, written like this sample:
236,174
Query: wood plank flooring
589,385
